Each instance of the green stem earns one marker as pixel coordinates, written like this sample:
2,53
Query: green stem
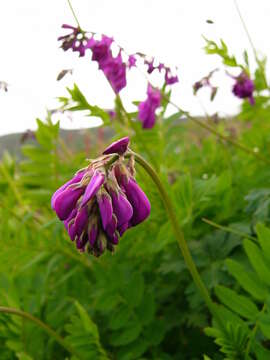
228,229
228,139
253,333
245,28
141,141
42,325
73,13
179,235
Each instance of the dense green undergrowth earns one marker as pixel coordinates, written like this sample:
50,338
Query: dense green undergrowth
140,302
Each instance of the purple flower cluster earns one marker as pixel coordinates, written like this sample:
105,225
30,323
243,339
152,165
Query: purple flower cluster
76,40
101,201
169,78
244,87
113,67
148,107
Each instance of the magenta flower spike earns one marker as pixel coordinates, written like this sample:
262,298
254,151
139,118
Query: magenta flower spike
148,107
102,201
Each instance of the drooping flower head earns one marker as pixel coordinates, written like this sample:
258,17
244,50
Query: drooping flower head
244,87
148,107
102,201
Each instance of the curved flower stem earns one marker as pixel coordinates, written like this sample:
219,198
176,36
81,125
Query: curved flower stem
179,236
228,139
42,325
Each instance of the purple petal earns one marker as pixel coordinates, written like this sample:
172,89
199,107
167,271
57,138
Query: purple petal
66,26
114,239
148,107
121,208
120,146
112,226
93,234
74,180
169,78
66,202
139,201
71,216
123,228
72,232
105,208
95,183
81,241
81,220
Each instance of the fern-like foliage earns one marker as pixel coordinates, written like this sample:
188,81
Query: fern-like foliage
83,335
246,312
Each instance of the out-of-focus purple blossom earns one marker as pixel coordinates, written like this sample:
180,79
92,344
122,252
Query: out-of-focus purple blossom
170,79
206,82
131,61
115,71
160,67
113,67
101,50
244,87
76,40
148,107
197,86
101,201
150,65
112,114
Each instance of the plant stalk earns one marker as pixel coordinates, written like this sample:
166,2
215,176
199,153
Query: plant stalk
179,235
73,13
228,139
42,325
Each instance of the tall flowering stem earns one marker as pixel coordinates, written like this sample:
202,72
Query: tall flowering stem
179,235
212,130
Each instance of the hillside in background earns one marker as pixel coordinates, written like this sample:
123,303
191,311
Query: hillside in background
82,139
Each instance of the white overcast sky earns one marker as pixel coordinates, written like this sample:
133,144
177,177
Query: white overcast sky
170,30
